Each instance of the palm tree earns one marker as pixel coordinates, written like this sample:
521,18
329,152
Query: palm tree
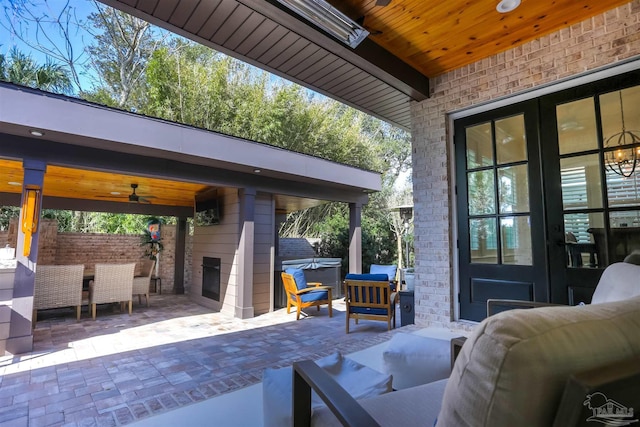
21,69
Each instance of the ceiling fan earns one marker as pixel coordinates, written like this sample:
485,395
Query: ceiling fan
133,197
137,198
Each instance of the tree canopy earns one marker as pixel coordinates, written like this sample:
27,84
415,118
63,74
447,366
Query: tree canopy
138,67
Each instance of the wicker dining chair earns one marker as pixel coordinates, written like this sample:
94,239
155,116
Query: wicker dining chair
57,286
142,282
112,283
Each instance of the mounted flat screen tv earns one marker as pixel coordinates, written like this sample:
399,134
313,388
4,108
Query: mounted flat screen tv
208,212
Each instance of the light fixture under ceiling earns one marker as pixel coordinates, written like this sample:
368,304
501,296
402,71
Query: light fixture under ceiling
620,160
14,183
506,6
329,19
36,132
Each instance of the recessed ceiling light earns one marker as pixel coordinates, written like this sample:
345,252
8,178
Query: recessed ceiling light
36,133
115,193
14,183
506,6
257,170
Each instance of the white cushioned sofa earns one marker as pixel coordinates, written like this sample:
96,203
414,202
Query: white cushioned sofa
511,371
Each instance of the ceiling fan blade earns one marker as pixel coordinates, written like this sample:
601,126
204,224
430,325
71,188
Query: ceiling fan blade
383,2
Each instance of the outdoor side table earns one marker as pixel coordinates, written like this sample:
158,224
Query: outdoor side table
157,284
407,312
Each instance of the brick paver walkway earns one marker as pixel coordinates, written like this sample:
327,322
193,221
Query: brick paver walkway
120,368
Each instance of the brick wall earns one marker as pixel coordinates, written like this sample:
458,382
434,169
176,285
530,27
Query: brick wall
89,248
604,39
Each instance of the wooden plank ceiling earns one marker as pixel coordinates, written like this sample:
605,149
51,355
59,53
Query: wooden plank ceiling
85,184
94,185
436,37
412,37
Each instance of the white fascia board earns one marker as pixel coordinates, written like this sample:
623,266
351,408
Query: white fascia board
62,115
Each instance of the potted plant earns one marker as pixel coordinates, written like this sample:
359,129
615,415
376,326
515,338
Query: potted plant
152,241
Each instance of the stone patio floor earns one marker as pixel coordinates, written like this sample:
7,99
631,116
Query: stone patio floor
120,368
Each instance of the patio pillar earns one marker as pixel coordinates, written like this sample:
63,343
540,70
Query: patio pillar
20,332
178,275
280,218
244,285
355,238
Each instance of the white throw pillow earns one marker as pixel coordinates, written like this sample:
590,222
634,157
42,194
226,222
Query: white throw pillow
413,360
358,380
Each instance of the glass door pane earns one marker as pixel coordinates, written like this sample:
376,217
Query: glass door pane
516,240
581,188
482,197
479,146
513,189
577,126
511,143
583,232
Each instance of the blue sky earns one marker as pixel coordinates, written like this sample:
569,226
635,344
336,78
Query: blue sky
49,34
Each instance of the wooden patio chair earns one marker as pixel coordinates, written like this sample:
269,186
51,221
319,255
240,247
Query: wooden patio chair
370,297
57,286
112,283
142,282
303,294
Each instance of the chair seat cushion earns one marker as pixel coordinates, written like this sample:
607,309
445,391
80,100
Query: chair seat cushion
416,406
368,277
367,310
358,380
314,296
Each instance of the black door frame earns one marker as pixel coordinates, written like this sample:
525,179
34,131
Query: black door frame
571,285
476,279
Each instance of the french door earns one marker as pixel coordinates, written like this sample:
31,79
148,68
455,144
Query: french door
591,152
500,208
547,194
